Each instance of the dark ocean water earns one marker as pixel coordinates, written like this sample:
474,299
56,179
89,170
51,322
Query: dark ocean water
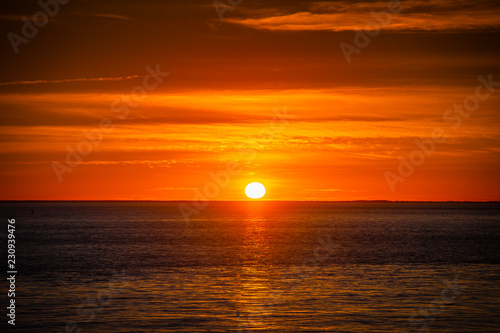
254,267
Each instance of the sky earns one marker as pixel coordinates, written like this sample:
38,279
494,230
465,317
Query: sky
317,100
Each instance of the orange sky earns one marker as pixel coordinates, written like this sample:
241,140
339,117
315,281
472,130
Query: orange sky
267,92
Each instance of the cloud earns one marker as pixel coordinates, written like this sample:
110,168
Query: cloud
338,110
434,15
163,163
117,78
11,17
174,189
324,190
113,16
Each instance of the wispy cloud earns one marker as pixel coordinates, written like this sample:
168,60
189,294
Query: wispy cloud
164,163
149,163
174,189
11,17
434,15
324,190
117,78
114,16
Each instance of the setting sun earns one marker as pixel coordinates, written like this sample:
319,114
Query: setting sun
255,190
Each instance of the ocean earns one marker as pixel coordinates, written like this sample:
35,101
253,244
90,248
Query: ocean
253,267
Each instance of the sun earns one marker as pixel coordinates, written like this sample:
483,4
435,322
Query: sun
255,190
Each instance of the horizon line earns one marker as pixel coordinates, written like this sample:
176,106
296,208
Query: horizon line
319,201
